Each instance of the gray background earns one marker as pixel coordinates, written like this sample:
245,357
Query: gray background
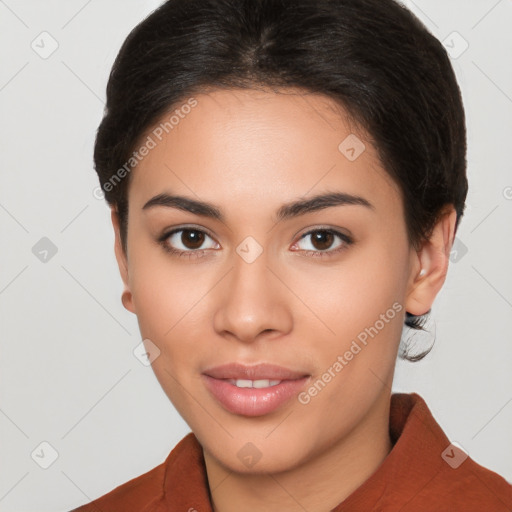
68,375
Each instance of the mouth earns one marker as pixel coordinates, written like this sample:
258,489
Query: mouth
253,390
259,383
261,371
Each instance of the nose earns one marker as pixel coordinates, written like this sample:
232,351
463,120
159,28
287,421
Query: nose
252,301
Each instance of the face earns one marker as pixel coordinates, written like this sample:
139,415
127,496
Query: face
321,290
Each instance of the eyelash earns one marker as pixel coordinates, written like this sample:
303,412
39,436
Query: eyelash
193,253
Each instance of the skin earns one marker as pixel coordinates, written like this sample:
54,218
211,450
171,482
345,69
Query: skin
248,152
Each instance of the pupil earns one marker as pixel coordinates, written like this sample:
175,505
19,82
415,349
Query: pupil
320,236
192,238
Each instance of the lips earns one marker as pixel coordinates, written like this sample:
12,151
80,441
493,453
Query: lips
253,390
262,371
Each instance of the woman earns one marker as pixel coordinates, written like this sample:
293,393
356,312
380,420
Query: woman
286,180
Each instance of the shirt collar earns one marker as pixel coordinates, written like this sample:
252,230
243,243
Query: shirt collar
415,459
415,436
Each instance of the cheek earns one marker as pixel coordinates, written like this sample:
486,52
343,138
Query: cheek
363,306
168,297
168,314
155,281
366,286
163,302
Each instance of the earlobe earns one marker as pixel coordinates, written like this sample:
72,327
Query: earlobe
122,262
429,273
126,299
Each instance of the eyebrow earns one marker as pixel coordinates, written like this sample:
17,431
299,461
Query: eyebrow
286,211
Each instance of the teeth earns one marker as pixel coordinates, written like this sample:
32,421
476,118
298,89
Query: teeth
262,383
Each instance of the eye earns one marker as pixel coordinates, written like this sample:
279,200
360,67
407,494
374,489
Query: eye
322,239
187,240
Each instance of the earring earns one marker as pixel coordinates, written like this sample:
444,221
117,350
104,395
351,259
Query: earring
422,272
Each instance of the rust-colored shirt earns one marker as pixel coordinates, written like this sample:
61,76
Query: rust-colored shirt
422,473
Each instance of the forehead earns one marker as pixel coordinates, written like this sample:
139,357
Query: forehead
260,146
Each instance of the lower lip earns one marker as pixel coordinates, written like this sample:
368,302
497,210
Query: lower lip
253,401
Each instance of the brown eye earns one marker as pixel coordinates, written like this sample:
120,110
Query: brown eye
186,240
191,238
323,242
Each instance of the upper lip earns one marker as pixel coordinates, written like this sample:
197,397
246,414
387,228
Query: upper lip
260,371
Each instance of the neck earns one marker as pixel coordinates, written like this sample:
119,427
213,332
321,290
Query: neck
318,484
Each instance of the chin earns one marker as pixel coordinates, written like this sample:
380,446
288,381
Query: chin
256,457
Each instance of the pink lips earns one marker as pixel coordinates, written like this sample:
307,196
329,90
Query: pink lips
253,401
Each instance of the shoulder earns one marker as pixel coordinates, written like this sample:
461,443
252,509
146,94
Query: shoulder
474,485
439,474
178,481
136,494
145,492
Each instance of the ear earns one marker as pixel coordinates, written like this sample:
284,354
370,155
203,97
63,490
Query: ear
122,262
433,258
